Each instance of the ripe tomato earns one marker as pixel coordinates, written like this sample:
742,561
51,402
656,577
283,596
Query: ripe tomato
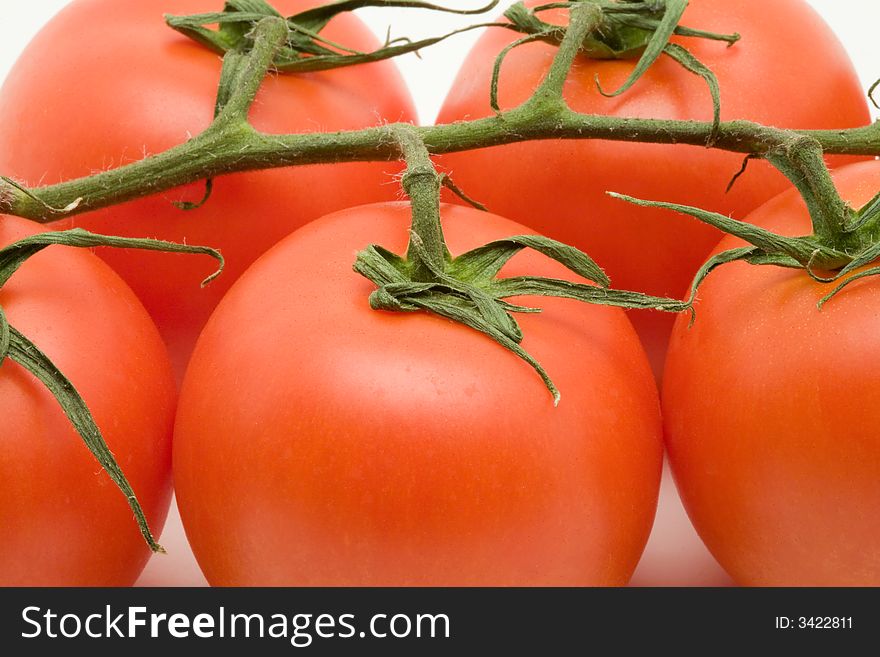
558,188
64,522
131,86
319,442
770,409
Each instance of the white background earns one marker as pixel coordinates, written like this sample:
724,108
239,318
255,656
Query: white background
429,78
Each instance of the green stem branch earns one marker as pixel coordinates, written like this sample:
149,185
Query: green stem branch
249,70
585,19
801,159
422,184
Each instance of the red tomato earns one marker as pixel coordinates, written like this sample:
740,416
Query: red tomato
319,442
64,521
771,408
129,86
558,188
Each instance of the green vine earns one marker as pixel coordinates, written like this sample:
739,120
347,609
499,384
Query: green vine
232,145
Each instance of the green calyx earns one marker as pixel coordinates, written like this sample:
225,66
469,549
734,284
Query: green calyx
855,244
628,29
19,349
467,288
305,49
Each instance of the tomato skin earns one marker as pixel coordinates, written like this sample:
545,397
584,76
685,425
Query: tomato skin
140,88
319,442
64,521
770,414
558,188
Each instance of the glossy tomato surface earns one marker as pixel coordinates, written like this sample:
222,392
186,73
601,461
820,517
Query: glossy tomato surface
65,523
319,442
107,82
770,410
558,188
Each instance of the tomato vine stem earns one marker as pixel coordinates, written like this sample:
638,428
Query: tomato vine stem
422,184
231,144
548,97
218,152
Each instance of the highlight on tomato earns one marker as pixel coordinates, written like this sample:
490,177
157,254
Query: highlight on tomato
139,88
65,523
559,187
770,409
320,442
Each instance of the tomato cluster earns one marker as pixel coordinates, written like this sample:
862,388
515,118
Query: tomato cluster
319,442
